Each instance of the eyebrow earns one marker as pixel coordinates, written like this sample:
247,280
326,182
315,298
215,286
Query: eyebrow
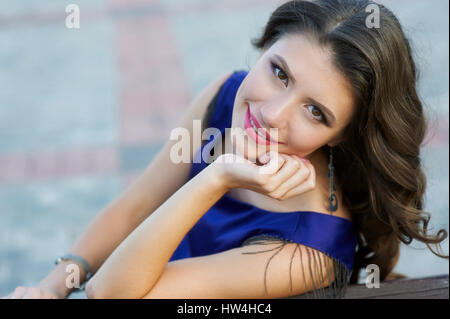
326,110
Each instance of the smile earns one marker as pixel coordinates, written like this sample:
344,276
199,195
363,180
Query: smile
255,131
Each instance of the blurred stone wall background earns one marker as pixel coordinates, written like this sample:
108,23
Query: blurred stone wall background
83,111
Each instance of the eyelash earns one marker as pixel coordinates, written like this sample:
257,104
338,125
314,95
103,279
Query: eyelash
274,66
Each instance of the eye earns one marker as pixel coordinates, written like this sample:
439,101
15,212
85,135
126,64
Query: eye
275,67
318,112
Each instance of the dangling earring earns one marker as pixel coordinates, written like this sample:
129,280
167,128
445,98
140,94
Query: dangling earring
333,207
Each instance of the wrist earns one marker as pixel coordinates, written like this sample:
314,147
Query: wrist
219,177
56,281
222,171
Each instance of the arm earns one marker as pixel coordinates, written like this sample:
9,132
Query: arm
136,265
140,266
256,271
116,221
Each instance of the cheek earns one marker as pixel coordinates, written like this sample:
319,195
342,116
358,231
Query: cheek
304,137
255,88
305,145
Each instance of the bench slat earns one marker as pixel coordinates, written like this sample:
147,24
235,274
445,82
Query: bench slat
435,287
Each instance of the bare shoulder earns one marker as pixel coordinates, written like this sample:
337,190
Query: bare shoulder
170,175
199,104
213,86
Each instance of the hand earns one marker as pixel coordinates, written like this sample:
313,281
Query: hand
32,293
279,176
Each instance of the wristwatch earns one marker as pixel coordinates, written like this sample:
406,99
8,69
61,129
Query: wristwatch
81,261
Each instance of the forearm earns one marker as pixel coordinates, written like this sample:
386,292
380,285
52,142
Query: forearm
137,263
110,227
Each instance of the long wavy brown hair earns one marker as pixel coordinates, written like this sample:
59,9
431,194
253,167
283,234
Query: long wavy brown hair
378,165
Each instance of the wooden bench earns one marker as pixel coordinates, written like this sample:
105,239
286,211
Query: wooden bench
435,287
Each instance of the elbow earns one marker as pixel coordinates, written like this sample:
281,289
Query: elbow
91,292
94,291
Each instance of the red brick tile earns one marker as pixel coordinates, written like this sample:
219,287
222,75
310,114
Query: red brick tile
152,85
104,160
13,167
50,164
132,2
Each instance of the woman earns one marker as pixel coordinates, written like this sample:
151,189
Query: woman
345,185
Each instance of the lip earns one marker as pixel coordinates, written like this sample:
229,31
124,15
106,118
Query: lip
253,134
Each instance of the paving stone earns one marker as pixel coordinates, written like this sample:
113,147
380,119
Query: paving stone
23,7
41,220
67,94
83,112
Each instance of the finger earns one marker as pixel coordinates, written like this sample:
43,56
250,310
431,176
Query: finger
45,294
312,175
276,161
19,292
296,180
290,167
299,159
32,293
306,186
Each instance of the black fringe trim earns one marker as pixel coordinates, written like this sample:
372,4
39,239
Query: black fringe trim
316,265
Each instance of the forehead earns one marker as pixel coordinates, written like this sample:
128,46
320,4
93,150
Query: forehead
316,75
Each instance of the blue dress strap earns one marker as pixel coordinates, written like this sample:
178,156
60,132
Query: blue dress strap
220,116
223,111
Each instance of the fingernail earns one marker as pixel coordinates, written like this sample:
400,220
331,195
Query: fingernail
264,158
304,160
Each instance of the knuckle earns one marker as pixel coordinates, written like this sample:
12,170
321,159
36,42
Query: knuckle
275,195
220,159
292,164
306,172
225,158
281,158
299,159
303,176
269,188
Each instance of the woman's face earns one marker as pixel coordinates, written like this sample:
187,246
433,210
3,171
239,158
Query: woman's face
292,99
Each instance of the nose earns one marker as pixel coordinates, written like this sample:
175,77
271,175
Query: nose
275,115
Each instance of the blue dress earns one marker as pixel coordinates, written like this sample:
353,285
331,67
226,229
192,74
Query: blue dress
232,223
